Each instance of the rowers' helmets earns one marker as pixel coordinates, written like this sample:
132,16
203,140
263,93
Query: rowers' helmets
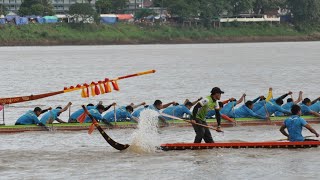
216,90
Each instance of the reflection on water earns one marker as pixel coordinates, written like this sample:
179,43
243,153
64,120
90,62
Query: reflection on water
183,71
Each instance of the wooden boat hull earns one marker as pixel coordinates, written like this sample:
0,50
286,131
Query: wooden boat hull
199,146
125,125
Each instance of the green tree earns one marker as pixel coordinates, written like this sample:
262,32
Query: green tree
29,7
184,9
103,6
82,12
261,6
212,9
3,9
143,13
306,11
118,6
241,6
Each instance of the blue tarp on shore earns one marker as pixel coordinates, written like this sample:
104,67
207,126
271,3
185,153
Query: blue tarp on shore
21,20
2,21
50,19
108,20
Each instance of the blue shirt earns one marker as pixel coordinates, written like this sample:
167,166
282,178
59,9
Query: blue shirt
50,115
77,113
153,108
287,106
315,107
294,125
271,108
177,111
228,109
258,105
305,110
121,115
137,112
244,112
29,117
96,115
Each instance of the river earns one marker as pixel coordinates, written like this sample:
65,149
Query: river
183,71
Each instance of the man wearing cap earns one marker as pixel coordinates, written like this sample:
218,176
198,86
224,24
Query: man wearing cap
199,115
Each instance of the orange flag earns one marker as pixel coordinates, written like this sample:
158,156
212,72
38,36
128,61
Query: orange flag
82,117
83,93
91,128
92,89
107,87
101,87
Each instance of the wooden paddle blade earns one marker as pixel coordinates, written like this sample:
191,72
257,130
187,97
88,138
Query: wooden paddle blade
91,129
112,143
225,117
82,117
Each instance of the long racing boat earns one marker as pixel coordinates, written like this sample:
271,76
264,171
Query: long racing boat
122,125
271,144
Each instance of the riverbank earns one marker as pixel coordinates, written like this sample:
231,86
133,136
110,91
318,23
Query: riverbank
92,34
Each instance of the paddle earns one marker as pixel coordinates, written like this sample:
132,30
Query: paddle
112,143
12,100
189,121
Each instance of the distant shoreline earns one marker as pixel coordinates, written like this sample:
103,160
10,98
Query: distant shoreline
249,39
124,34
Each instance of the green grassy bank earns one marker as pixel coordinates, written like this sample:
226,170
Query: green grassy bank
88,34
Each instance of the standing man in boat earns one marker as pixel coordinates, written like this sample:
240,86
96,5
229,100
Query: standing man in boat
53,115
294,124
199,115
31,117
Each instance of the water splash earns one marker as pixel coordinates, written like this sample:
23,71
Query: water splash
146,138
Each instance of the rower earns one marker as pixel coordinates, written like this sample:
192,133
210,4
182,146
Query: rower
271,107
294,124
316,106
157,106
245,111
229,108
96,113
289,104
199,115
74,116
305,108
178,111
122,114
31,117
53,115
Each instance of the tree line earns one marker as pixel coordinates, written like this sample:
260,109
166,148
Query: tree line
302,11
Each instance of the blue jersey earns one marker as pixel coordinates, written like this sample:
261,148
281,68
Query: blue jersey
177,111
29,117
77,113
287,106
245,112
96,115
137,112
50,116
258,105
315,107
305,110
228,109
270,108
121,115
153,108
294,125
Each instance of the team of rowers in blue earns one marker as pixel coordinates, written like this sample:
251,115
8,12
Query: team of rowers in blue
204,108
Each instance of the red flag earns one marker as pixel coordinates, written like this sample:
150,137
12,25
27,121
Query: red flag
115,85
96,89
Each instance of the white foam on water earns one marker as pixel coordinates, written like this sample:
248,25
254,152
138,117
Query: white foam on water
145,138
